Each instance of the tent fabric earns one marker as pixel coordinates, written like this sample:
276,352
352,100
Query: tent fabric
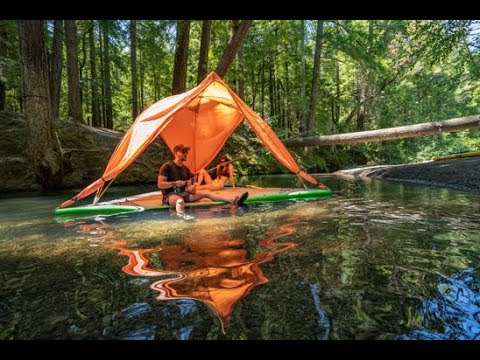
202,118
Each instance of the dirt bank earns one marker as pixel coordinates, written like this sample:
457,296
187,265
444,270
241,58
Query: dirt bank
460,174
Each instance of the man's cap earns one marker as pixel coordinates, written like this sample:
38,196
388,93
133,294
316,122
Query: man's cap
180,147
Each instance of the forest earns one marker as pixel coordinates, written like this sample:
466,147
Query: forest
304,77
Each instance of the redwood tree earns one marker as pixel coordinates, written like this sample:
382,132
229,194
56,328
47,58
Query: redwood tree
56,66
181,57
133,60
316,79
94,79
204,45
73,74
3,50
108,103
43,147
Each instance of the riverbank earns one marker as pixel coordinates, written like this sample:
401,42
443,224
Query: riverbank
86,151
460,174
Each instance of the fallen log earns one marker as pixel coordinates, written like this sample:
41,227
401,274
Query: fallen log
399,132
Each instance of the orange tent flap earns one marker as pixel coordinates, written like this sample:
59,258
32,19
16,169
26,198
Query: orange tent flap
202,118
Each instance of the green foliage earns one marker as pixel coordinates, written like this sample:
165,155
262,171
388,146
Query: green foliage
9,63
374,74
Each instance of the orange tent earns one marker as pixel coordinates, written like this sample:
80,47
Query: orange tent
202,118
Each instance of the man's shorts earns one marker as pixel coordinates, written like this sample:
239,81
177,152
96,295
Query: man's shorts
184,195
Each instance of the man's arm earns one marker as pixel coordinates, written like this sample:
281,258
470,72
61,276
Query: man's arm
162,182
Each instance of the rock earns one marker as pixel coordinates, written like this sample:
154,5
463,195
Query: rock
86,151
460,174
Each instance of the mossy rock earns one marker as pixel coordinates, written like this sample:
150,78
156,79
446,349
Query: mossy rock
86,152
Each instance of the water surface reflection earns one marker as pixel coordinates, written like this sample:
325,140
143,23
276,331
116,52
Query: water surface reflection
378,260
207,266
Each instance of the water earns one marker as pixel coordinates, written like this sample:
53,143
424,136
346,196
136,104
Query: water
379,260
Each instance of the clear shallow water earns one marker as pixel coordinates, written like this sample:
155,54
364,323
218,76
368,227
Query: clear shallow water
379,260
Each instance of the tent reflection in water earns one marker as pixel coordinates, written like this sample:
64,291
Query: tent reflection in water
208,266
202,118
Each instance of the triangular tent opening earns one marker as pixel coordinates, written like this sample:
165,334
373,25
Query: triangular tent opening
202,118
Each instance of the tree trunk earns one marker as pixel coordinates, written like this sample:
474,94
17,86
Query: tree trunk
74,97
154,79
239,73
103,113
43,147
83,93
142,82
231,50
311,127
56,67
254,82
262,89
108,85
303,117
395,133
19,97
363,88
133,54
278,102
359,100
204,46
271,86
2,94
286,101
83,61
181,57
3,50
336,112
94,80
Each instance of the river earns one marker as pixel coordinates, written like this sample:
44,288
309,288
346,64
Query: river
378,260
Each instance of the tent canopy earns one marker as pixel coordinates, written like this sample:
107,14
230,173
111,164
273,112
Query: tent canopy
202,118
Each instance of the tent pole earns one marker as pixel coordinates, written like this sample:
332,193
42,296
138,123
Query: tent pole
303,183
101,191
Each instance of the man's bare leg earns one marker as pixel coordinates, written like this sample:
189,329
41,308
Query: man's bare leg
213,197
233,201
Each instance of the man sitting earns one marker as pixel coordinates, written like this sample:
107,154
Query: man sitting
175,181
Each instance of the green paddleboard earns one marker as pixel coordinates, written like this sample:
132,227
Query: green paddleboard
120,206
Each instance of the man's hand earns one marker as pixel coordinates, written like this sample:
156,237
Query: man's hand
192,189
179,183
